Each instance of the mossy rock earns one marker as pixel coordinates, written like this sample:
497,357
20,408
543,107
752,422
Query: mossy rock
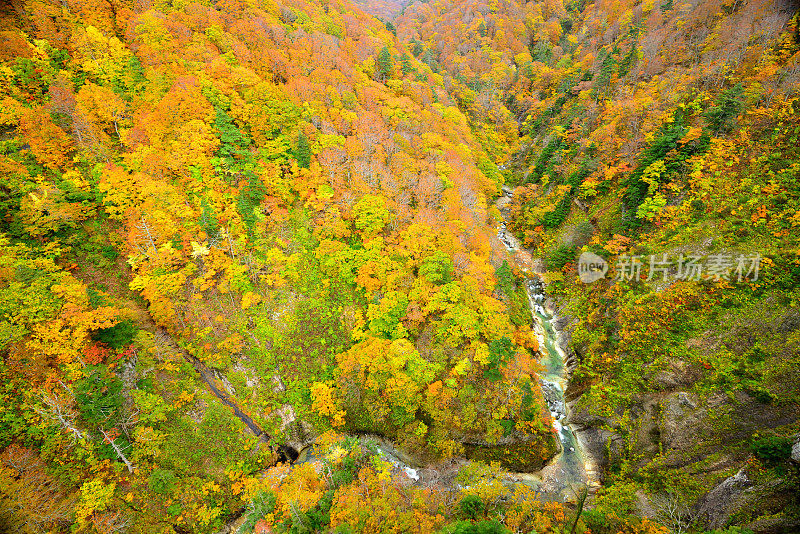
525,455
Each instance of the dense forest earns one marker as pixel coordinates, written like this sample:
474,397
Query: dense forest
323,266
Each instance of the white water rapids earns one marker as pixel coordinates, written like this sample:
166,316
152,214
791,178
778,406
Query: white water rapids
570,469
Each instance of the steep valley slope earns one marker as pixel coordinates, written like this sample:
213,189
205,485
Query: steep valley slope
250,276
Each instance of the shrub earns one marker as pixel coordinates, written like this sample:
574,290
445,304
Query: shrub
471,506
560,257
117,336
772,449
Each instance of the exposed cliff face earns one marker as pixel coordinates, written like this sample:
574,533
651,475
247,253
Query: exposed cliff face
704,441
677,434
690,440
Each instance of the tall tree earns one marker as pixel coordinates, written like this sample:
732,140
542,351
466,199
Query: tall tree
303,153
385,65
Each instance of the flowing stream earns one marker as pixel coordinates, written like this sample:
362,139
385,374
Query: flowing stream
560,479
570,469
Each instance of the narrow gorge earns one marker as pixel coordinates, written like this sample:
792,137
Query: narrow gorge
313,266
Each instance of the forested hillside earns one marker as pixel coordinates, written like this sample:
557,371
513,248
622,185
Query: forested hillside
249,271
271,199
386,10
662,138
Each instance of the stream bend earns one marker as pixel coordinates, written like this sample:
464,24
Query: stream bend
571,468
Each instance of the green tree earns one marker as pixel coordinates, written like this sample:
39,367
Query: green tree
162,481
208,218
371,215
303,153
99,396
472,506
437,269
603,79
405,63
117,336
234,146
385,64
725,109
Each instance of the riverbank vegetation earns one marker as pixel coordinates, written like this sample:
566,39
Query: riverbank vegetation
657,132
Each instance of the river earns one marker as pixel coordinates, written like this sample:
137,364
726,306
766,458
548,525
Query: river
567,472
571,469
